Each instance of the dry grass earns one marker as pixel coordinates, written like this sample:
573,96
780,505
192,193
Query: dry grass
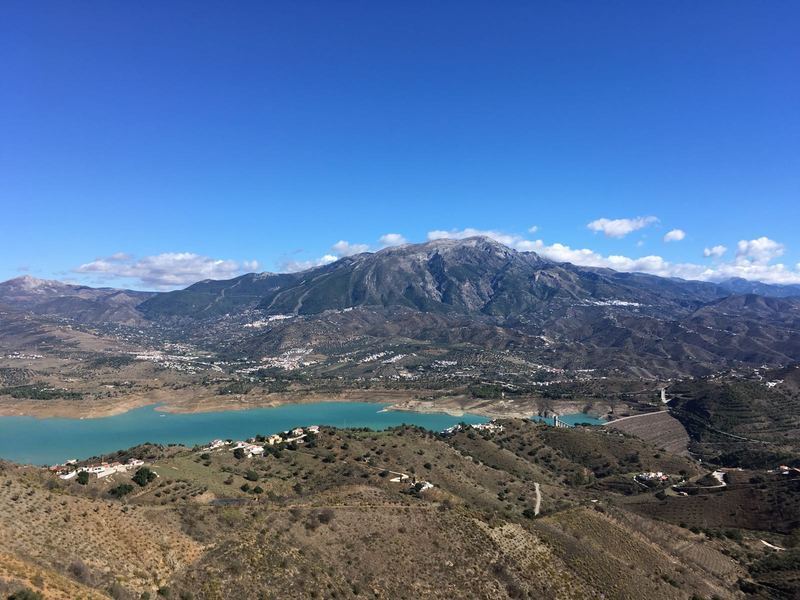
18,574
97,541
660,429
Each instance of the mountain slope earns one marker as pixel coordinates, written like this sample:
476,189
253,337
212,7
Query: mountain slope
737,285
472,276
473,293
483,294
80,303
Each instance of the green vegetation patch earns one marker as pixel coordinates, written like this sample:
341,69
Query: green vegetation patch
39,391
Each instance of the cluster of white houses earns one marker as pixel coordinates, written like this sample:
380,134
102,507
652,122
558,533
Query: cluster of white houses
490,426
68,470
653,476
254,447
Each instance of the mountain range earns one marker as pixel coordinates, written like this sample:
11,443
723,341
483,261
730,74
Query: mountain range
475,292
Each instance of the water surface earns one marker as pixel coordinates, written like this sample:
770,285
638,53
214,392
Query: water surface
49,441
572,420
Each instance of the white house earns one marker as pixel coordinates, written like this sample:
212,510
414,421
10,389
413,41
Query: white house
105,472
425,485
253,450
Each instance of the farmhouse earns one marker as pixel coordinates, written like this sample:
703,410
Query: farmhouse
253,450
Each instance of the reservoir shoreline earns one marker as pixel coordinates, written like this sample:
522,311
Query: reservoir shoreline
193,400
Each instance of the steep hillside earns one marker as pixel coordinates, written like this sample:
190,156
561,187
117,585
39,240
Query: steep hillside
750,423
472,276
520,511
479,292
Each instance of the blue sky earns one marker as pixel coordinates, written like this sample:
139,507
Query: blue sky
151,144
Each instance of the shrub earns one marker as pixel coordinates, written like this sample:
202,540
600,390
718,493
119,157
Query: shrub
82,478
26,594
121,490
80,571
144,476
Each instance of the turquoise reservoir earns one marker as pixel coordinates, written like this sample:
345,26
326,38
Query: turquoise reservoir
572,420
49,441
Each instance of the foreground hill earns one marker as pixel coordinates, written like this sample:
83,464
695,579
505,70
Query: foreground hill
526,511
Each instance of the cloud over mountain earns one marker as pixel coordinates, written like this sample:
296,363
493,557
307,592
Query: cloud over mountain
753,261
618,228
392,239
166,270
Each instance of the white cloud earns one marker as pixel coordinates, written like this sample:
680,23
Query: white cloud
167,270
293,266
759,251
753,260
338,250
533,229
392,239
676,235
618,228
715,251
746,266
657,265
345,248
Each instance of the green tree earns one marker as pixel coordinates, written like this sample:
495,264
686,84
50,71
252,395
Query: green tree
121,490
82,478
238,454
144,476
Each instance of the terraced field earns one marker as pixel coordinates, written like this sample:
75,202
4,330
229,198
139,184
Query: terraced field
660,429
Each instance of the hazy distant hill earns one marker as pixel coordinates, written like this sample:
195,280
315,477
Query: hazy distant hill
737,285
78,302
